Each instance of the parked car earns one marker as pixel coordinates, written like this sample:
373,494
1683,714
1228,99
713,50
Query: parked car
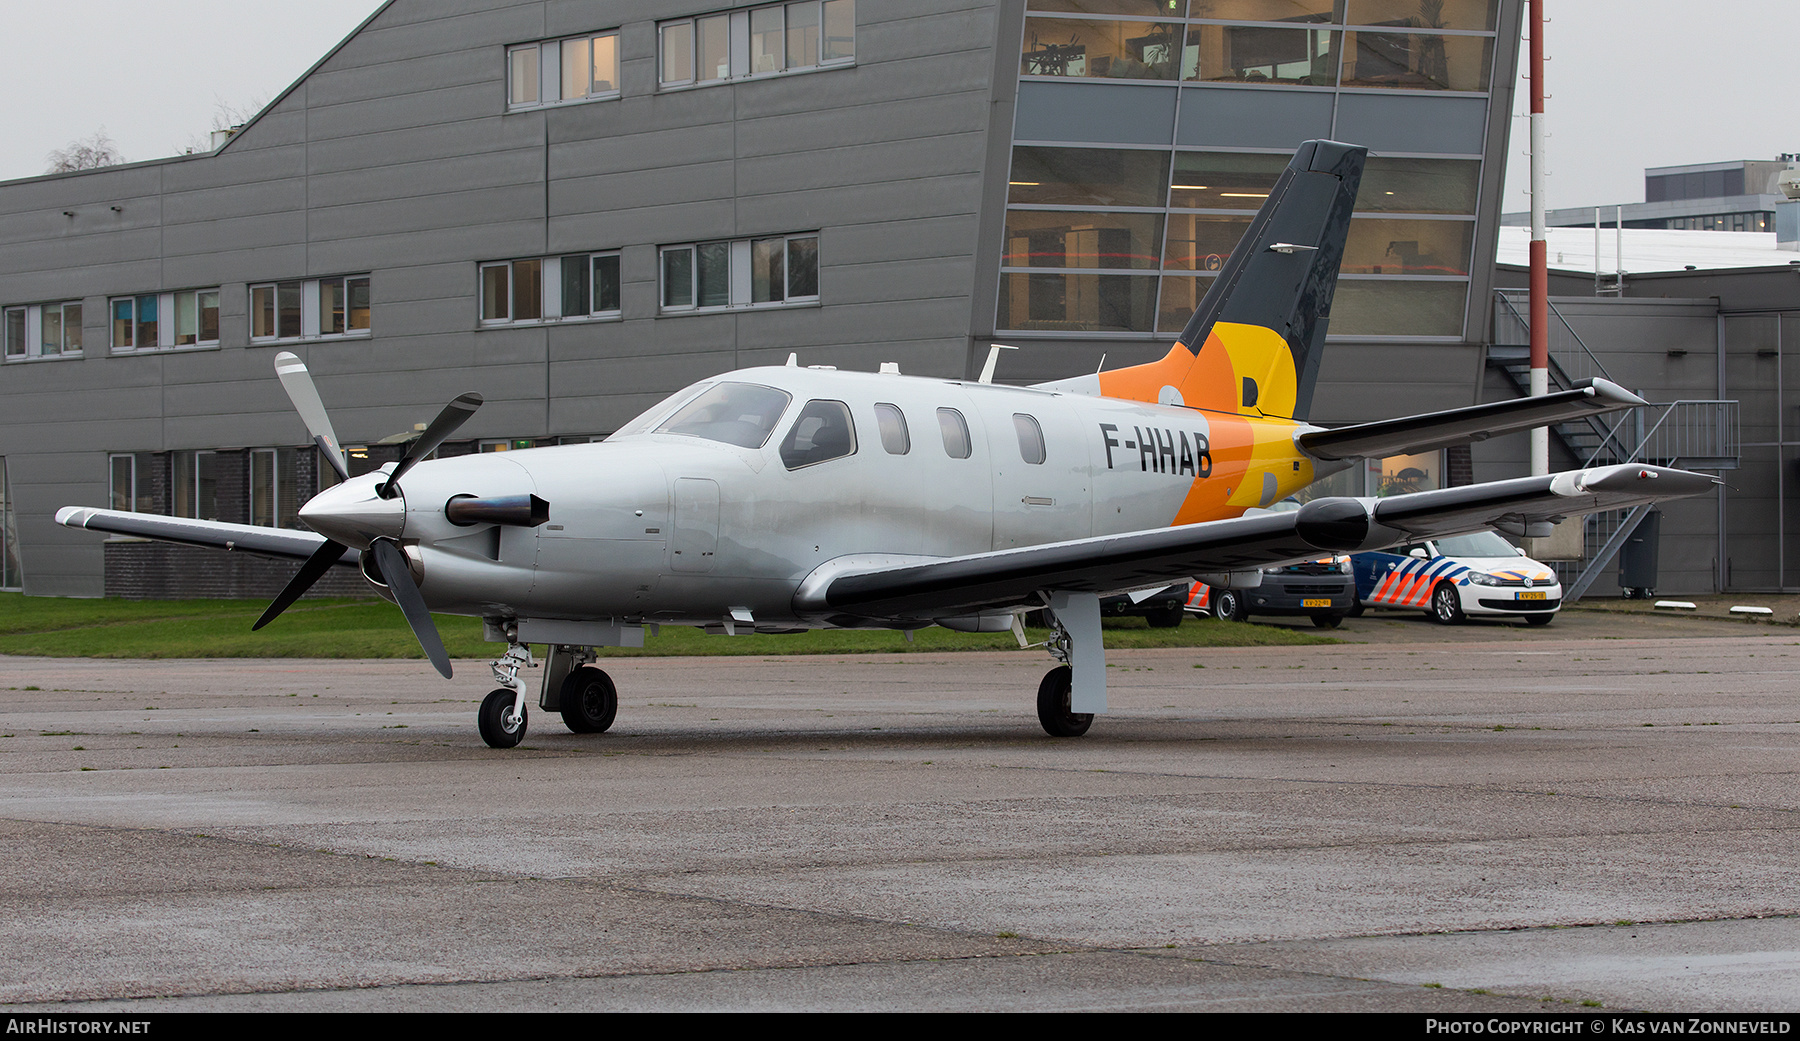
1323,590
1453,578
1162,609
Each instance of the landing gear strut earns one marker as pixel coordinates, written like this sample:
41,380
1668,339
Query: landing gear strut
1080,681
502,719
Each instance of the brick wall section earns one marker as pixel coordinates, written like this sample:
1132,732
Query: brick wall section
1459,466
142,570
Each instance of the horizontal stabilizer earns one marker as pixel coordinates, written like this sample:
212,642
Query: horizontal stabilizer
1412,434
1007,579
245,538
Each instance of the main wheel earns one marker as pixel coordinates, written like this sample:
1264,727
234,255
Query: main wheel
589,700
1539,619
498,727
1165,618
1228,606
1053,705
1446,604
1327,621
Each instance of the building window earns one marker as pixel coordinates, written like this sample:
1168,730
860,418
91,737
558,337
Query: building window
552,72
762,41
274,502
132,479
549,289
189,318
43,330
763,272
1390,44
194,485
310,308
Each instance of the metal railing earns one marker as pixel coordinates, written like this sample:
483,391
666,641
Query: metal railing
1692,434
1577,363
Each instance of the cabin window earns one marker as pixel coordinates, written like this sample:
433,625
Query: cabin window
822,433
1031,438
956,433
892,422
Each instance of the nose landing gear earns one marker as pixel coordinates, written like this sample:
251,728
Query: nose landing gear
502,719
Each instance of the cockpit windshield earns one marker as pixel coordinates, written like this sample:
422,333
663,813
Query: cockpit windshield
741,414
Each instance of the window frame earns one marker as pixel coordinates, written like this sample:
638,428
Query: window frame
551,274
310,295
165,328
23,328
740,283
739,40
547,72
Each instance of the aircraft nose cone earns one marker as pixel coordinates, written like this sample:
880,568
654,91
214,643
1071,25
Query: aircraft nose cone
351,513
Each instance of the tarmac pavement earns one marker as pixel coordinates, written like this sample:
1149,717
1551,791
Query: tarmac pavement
1479,818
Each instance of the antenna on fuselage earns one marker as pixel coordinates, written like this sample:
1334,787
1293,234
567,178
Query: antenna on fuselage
993,359
793,361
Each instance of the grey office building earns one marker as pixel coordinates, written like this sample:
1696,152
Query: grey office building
576,207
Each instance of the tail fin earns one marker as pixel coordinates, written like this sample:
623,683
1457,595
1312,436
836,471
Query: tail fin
1253,346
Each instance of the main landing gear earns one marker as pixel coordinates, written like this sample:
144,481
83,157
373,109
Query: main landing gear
573,686
1080,681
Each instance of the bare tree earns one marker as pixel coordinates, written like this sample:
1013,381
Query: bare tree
88,153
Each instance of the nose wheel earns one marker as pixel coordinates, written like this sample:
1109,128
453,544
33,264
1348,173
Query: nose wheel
502,719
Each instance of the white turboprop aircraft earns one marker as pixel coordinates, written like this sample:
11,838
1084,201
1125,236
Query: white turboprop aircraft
788,498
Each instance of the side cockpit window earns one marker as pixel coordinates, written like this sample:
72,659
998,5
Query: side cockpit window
821,433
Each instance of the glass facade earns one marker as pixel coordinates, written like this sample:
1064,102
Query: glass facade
1124,237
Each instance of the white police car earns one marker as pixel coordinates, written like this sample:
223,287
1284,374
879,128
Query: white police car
1451,578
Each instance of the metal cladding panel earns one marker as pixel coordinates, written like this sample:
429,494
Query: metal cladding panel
1246,118
1410,123
1105,113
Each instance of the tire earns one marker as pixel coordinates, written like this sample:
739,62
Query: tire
1165,618
492,720
589,700
1228,606
1053,705
1446,604
1539,620
1356,608
1327,621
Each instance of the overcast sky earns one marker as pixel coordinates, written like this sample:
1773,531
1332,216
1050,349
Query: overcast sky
1634,83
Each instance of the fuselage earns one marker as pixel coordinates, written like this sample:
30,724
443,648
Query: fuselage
681,516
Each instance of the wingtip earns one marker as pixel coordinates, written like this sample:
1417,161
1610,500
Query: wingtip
73,516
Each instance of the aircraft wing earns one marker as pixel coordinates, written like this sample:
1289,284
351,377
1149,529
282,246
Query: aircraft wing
1410,435
284,543
1013,578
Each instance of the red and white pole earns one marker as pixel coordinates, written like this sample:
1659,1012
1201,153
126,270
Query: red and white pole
1540,270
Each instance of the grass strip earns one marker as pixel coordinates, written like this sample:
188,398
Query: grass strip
109,628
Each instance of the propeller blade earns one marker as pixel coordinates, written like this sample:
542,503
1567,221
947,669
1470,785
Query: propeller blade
316,565
300,390
391,563
453,415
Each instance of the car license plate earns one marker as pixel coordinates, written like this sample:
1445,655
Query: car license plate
1315,603
1531,596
